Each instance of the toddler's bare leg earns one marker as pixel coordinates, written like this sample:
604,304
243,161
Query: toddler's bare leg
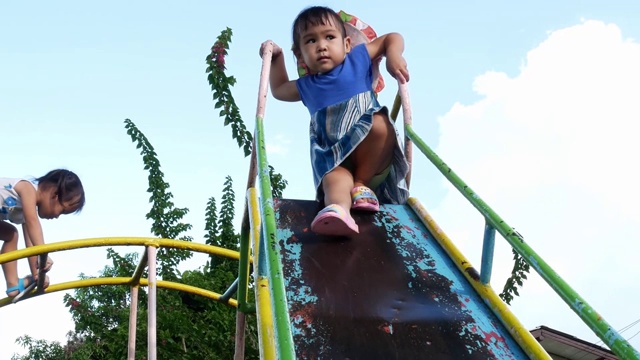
9,236
375,152
337,185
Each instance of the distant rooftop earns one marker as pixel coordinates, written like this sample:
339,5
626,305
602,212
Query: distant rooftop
562,346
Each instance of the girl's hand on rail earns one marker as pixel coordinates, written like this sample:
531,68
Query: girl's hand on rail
397,67
277,50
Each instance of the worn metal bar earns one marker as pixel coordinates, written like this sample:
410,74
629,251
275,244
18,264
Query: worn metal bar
151,307
284,342
230,291
240,335
587,313
42,261
241,321
133,315
137,274
488,245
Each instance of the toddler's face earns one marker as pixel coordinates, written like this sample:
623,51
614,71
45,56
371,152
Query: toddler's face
323,48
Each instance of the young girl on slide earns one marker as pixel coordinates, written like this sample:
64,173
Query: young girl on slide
354,145
24,202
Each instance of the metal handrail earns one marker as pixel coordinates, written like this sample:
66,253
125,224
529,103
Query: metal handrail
590,317
284,343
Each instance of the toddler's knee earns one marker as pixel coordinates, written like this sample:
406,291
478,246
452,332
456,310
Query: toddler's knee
381,123
380,117
8,232
381,133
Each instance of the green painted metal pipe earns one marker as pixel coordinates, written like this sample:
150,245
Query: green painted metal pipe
284,337
395,109
600,327
243,268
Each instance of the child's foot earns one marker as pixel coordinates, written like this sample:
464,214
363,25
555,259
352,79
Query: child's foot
364,199
334,220
23,284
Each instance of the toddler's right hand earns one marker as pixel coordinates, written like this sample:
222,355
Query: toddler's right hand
277,50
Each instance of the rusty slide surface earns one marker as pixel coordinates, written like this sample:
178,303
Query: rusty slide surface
389,293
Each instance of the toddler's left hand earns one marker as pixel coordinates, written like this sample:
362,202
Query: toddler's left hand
397,67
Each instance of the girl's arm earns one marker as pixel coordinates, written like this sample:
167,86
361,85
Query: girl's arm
33,260
31,226
281,87
392,46
31,229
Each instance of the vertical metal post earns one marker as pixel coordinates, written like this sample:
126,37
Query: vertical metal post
487,253
42,259
284,342
243,285
151,316
244,262
240,335
133,314
243,267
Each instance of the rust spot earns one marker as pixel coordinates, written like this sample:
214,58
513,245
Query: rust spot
473,273
386,328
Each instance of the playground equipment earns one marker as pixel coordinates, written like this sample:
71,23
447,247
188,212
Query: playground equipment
400,289
297,286
148,259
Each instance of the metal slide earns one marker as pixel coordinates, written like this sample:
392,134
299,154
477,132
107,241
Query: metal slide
398,290
391,292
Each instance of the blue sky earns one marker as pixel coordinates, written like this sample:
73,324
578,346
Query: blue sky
533,105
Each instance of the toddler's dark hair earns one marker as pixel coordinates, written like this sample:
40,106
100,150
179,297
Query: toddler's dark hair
314,16
67,185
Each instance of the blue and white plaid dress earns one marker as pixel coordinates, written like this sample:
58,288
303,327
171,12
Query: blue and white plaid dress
342,103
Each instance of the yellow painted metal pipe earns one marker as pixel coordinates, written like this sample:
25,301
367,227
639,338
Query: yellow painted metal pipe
118,241
264,313
76,284
521,335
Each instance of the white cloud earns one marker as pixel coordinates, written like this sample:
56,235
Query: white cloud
279,145
554,151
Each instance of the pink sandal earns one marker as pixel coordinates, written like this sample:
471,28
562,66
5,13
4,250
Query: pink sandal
334,220
368,199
